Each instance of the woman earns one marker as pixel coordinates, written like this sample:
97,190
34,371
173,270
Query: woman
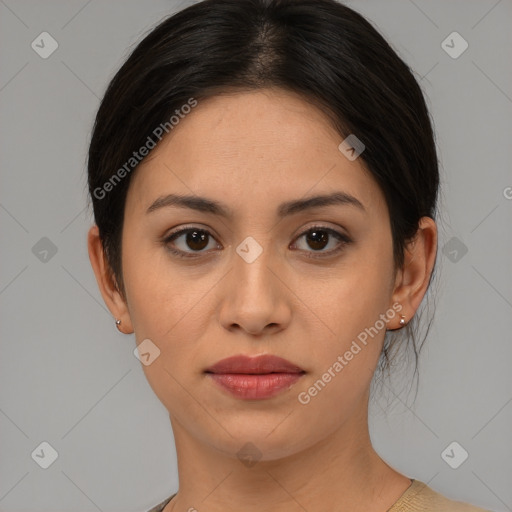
264,180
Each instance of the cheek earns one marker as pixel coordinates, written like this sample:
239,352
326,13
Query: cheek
352,296
343,365
166,307
353,305
169,306
159,295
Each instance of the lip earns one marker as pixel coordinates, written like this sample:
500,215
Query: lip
254,378
254,365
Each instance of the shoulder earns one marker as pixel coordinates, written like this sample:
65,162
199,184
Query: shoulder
419,497
160,506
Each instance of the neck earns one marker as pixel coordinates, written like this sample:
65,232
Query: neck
342,472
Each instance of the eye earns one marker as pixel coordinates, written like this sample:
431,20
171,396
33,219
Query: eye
196,239
192,242
319,237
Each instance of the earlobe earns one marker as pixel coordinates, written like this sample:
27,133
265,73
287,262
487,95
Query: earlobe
413,278
106,282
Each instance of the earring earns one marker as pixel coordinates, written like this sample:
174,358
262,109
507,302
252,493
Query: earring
402,321
118,323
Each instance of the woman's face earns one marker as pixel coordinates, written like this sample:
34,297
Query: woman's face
258,280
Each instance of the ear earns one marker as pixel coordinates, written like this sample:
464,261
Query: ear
106,281
413,278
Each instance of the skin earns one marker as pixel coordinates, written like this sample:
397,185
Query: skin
252,151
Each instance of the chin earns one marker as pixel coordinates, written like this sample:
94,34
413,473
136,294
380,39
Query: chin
263,440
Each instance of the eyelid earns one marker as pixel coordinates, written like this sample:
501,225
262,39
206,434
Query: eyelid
336,231
185,228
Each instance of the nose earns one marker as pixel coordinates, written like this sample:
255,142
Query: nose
254,298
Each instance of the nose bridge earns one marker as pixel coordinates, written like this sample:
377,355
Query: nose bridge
251,264
253,299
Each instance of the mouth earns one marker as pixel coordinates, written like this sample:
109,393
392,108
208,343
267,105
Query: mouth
254,378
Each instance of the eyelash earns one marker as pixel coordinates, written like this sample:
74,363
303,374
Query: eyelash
342,238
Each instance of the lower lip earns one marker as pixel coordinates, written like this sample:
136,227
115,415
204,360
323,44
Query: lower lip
255,387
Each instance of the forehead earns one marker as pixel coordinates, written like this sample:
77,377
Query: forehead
252,148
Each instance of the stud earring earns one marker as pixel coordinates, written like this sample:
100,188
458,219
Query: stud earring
118,323
402,321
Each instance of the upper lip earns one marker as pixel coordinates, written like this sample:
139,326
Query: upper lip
254,365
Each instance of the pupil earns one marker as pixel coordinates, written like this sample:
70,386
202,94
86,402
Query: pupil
317,239
197,240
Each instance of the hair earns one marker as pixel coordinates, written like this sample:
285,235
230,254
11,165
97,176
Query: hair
320,49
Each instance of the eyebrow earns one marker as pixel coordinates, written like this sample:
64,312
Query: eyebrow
206,205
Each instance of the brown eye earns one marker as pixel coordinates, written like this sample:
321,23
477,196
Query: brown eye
196,240
188,241
318,238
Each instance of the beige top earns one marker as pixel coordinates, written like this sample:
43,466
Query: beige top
418,497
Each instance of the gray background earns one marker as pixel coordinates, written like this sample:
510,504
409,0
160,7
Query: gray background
69,378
